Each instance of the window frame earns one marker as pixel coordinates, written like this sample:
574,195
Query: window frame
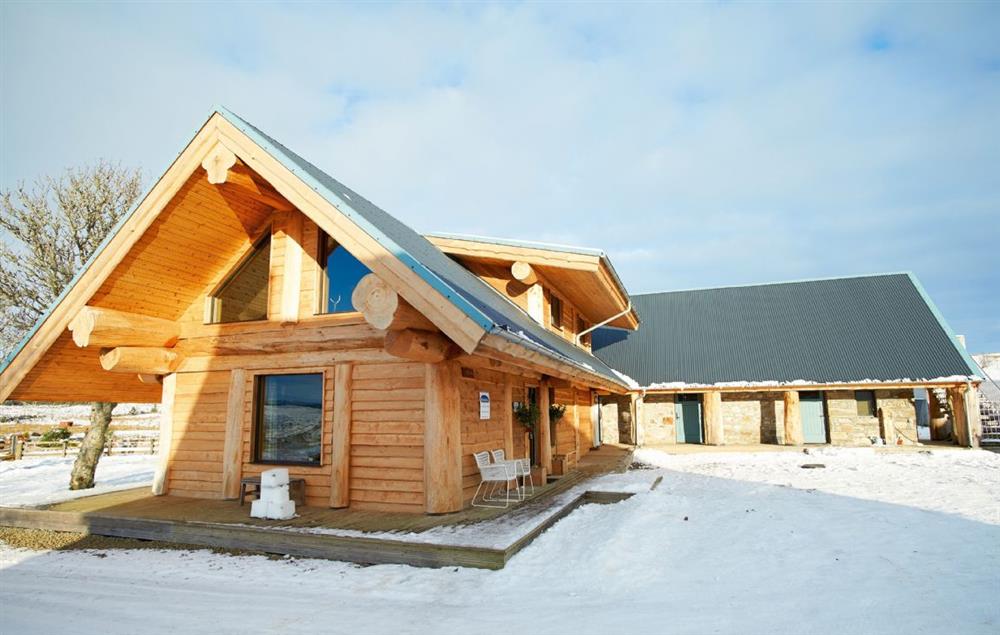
581,326
256,412
865,396
213,309
555,301
323,285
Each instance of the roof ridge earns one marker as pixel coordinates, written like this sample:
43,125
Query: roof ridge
777,283
517,242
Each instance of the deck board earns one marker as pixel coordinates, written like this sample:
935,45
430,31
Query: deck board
225,524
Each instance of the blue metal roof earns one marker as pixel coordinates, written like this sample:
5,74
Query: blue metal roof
472,296
475,298
878,328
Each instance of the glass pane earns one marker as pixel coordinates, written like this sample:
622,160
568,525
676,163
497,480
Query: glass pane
866,402
555,311
244,296
290,418
343,271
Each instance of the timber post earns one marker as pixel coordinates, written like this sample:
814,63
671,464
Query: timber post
442,439
714,434
793,419
340,460
508,416
544,427
232,452
166,432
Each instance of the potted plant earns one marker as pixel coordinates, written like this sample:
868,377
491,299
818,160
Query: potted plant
556,412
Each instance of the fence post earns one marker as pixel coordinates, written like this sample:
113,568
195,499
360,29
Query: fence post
65,446
18,448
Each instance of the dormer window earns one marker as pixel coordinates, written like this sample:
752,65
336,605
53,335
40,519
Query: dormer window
581,326
341,273
242,296
555,312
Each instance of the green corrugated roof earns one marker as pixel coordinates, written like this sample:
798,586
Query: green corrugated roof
878,327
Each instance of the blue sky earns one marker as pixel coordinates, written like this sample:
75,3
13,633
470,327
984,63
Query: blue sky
699,145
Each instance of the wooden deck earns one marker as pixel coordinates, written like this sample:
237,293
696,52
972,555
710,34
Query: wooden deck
225,524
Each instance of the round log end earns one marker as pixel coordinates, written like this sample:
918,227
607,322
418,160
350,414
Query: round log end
376,301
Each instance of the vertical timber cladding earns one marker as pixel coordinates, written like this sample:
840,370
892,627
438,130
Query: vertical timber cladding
387,437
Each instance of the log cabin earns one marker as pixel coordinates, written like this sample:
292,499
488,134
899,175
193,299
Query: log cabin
281,319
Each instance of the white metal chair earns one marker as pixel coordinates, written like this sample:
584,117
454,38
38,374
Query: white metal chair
492,474
522,470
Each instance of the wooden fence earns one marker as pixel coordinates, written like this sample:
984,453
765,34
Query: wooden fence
12,447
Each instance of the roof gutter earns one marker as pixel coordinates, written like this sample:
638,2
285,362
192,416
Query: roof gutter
555,356
579,336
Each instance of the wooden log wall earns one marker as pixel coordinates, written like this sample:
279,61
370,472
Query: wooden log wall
317,478
198,434
499,277
387,437
479,434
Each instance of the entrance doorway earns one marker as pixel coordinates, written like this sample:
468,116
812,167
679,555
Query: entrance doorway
812,408
687,419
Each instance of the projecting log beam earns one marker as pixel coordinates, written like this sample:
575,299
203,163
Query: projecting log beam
247,183
421,346
107,327
382,307
523,273
140,360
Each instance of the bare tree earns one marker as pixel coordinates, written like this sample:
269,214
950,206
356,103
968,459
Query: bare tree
48,233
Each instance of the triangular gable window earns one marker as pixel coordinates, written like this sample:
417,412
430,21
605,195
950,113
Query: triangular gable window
341,273
242,297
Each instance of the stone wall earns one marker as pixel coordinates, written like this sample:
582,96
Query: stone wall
752,417
847,427
616,419
658,420
759,417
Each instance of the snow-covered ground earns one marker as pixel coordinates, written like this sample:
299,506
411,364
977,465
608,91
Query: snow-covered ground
38,481
50,414
751,543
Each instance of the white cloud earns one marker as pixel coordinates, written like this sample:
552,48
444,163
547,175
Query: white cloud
697,144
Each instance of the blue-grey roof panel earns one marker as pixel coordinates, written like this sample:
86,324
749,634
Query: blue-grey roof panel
880,328
476,298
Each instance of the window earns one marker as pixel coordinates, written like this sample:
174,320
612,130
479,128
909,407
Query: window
341,273
866,402
555,312
288,419
243,295
581,326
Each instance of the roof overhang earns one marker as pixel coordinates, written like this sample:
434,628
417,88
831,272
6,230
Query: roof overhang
431,296
585,276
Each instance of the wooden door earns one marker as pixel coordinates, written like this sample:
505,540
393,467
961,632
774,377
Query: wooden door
687,419
813,412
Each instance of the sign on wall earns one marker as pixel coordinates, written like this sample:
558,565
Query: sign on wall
484,404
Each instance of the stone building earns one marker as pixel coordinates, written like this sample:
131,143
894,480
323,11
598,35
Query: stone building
843,357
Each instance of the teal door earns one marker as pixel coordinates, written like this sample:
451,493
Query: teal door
813,417
687,418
